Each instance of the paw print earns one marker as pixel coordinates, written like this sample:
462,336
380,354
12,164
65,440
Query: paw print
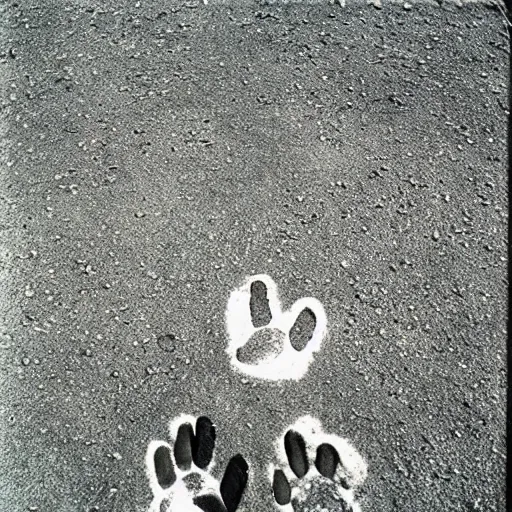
180,478
326,484
267,342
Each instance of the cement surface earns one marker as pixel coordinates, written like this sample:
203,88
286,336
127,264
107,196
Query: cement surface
155,155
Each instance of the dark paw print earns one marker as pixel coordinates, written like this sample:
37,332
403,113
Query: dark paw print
180,478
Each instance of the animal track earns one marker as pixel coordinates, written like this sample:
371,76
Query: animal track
180,479
328,483
265,341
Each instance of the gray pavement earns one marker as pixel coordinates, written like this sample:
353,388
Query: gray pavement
155,154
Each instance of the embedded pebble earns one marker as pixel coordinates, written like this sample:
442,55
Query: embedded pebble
167,342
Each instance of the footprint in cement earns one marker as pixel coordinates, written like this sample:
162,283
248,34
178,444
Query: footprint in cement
315,471
264,340
180,478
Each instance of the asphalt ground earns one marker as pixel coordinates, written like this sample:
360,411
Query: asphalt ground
155,154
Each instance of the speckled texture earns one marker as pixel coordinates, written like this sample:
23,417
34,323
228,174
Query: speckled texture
321,495
154,156
263,345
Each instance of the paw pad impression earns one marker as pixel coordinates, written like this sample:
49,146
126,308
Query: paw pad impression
267,342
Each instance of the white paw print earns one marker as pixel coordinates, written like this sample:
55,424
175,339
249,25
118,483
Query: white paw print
267,342
315,471
181,479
